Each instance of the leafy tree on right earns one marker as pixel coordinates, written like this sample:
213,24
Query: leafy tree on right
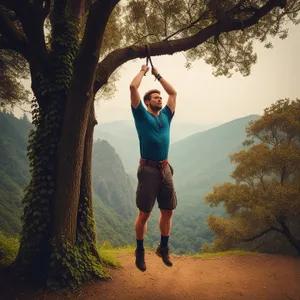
266,195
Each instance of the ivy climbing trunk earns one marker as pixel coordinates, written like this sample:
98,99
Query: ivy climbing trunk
58,244
35,248
58,241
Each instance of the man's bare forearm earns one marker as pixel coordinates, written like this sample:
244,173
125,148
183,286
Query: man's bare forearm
136,82
134,93
165,84
167,87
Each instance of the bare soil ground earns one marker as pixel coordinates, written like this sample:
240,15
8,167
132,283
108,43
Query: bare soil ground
234,277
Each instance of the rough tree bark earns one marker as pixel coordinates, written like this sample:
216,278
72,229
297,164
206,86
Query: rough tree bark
85,219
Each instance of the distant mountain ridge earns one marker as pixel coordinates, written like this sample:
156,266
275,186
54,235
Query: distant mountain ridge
199,160
14,169
201,152
113,196
110,181
126,128
123,137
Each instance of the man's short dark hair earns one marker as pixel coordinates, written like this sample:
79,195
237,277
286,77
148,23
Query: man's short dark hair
147,96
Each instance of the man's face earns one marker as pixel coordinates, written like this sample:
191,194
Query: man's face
155,102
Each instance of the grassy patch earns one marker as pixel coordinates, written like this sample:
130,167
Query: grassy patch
218,254
109,254
108,258
9,247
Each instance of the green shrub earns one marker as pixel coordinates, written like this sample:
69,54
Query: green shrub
9,247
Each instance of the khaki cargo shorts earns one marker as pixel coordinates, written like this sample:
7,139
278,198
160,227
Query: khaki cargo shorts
152,185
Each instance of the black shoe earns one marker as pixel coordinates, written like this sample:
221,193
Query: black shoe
140,260
164,254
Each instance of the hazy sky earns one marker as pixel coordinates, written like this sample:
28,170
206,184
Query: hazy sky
203,98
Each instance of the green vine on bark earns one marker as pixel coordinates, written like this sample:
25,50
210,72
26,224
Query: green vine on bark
47,117
56,262
73,265
85,224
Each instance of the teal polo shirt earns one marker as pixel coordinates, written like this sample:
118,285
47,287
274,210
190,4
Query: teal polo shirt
153,132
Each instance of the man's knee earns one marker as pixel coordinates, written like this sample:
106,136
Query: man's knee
166,213
143,216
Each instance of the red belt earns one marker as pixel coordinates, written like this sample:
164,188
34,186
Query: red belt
153,163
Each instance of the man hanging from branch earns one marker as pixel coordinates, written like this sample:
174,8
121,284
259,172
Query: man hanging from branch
155,175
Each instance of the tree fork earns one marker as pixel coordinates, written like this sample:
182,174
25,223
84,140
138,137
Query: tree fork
79,103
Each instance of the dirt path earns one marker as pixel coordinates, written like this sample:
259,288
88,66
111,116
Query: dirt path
254,277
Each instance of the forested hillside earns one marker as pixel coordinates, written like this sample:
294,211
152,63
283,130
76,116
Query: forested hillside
114,189
200,161
14,169
114,196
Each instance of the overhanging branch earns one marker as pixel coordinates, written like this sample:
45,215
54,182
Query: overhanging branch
77,8
60,7
118,57
4,44
272,228
34,29
88,55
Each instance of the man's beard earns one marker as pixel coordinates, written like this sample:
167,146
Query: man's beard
155,108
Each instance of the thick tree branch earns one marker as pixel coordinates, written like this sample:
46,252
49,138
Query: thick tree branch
14,38
262,233
88,55
288,234
4,44
118,57
60,7
77,8
8,4
32,17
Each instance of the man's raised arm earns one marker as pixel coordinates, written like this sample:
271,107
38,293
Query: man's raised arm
168,88
134,93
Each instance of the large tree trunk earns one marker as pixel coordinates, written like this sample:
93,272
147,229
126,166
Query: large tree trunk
58,238
45,254
58,243
35,249
75,258
50,87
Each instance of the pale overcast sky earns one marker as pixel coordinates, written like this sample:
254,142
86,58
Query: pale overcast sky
205,99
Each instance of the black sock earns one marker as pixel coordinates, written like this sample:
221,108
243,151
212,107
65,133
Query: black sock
164,241
140,244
